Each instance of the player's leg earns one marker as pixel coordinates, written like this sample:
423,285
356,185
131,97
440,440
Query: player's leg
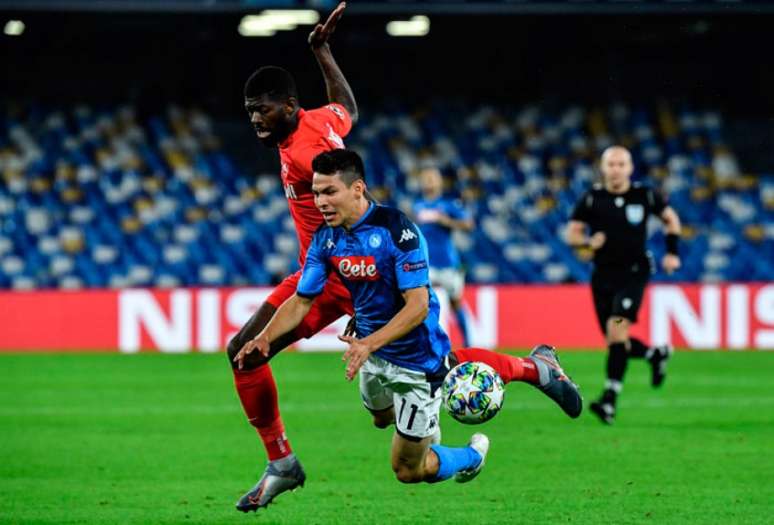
541,369
603,293
656,356
454,283
258,391
258,394
255,382
414,458
415,461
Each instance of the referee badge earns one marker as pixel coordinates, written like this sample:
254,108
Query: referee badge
635,213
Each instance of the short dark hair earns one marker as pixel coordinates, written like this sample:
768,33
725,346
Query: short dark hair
344,161
272,81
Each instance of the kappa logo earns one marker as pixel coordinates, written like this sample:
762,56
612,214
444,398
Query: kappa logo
357,267
406,235
330,244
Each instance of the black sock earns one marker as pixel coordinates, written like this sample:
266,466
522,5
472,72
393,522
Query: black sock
616,368
638,349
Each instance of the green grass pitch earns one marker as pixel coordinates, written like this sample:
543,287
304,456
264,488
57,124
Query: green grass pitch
161,439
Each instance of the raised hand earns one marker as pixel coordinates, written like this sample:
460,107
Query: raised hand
322,32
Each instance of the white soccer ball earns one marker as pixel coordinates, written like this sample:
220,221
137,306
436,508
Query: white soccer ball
473,392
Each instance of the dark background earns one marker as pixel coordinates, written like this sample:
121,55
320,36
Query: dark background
152,58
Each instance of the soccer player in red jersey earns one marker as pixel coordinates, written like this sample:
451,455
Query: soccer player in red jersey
271,100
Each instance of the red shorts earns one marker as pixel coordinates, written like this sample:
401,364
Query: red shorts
332,303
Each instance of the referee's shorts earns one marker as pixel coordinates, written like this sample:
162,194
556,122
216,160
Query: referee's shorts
618,292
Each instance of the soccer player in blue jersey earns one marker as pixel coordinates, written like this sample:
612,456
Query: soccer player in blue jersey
438,216
401,352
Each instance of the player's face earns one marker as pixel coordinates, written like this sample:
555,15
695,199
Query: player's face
431,181
617,167
337,202
271,119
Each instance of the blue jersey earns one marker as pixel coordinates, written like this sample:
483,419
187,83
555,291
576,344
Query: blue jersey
381,256
443,254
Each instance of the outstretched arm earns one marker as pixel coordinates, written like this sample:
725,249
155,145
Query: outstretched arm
409,317
287,317
337,86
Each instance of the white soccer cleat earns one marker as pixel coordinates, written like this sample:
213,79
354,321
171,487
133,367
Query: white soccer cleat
480,443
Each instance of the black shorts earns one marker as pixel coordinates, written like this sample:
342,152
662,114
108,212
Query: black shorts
617,293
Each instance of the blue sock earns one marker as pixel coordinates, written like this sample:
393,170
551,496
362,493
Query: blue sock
452,460
462,322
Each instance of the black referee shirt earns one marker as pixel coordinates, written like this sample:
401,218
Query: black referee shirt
623,219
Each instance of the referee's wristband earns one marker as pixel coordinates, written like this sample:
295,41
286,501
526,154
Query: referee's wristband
672,240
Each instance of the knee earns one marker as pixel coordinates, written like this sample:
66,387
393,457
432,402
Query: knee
252,361
233,348
380,423
406,474
617,330
383,421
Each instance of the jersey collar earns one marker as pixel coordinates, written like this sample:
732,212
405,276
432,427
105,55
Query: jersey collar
288,141
362,219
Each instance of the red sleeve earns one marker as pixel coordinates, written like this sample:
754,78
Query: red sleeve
335,115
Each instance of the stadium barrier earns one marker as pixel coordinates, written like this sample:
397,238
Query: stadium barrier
701,317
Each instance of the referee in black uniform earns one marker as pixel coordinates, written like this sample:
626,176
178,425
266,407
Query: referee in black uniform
615,214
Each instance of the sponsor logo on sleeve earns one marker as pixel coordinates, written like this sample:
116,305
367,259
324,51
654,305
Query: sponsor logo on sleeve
414,266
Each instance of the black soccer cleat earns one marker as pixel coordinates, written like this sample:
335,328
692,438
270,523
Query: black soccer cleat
604,411
658,361
273,483
554,382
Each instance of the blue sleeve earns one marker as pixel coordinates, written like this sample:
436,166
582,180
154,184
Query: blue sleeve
457,211
409,251
314,274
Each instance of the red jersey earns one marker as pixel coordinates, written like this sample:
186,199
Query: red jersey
318,130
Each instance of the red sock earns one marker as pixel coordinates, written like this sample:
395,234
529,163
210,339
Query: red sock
258,393
510,368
